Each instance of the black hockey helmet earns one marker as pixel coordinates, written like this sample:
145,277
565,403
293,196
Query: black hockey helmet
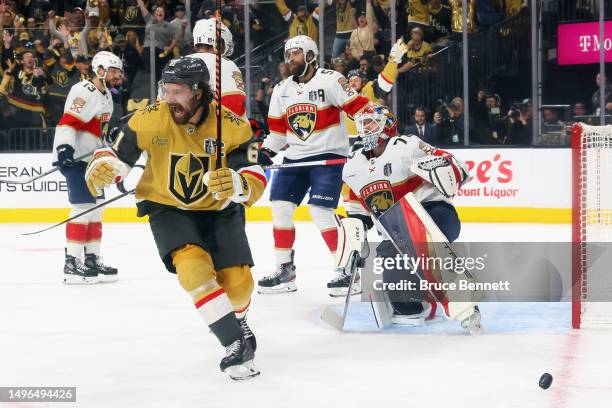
186,70
359,73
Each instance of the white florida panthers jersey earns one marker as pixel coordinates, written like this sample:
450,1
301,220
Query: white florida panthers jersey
86,115
307,116
377,183
233,96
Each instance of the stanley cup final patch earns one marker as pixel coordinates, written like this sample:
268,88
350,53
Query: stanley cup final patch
302,118
78,104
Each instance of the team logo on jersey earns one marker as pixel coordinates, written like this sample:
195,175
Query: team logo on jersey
186,178
78,104
238,80
61,78
302,118
378,196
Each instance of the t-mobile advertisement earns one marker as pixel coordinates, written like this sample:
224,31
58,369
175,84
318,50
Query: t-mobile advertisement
579,43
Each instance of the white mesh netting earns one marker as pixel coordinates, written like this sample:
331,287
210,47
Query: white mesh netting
595,229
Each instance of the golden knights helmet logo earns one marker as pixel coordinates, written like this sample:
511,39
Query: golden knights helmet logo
378,196
302,118
186,179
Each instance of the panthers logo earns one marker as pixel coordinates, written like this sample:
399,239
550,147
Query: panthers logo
186,178
378,197
302,118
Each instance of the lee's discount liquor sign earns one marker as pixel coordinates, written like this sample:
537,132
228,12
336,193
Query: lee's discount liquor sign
579,43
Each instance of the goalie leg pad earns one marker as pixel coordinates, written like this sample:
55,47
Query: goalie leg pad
351,238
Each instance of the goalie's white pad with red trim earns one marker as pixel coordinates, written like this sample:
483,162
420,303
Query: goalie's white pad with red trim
351,236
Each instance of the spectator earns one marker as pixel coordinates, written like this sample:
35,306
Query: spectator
520,124
492,126
134,41
513,7
550,117
27,89
418,16
63,74
82,64
457,18
161,36
424,130
440,22
596,98
579,109
345,24
97,37
130,56
419,51
267,85
182,28
339,65
74,23
132,18
489,12
362,38
450,131
300,23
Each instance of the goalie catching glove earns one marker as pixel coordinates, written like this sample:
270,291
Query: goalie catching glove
103,170
225,183
445,172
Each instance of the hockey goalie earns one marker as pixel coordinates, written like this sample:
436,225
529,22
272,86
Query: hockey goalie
405,186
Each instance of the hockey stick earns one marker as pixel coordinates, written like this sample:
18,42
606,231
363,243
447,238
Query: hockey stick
331,162
218,23
102,204
56,168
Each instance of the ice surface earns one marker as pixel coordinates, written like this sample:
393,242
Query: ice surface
139,342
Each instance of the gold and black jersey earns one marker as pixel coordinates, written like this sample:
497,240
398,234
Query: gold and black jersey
178,156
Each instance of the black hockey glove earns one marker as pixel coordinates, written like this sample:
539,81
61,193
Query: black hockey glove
366,219
65,156
264,157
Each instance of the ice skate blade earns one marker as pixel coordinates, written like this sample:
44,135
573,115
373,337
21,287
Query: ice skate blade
108,278
413,320
342,292
282,288
79,280
242,372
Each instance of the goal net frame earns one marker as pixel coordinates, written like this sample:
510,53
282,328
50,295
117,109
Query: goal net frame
591,219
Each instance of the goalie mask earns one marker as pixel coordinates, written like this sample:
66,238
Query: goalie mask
375,124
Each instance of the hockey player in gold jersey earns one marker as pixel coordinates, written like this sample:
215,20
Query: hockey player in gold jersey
194,208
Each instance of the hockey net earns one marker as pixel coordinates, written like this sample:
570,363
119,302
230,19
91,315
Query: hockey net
592,226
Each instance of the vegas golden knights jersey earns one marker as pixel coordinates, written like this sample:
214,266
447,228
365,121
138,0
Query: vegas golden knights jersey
180,155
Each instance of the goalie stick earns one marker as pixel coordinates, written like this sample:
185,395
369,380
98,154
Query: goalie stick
56,168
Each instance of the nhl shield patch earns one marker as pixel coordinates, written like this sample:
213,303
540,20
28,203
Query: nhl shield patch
378,196
186,178
302,118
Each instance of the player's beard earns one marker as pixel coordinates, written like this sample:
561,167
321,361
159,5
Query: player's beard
181,114
297,68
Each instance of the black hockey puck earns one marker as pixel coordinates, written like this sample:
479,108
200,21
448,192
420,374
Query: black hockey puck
545,381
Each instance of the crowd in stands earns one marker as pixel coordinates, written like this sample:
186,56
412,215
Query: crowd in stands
47,47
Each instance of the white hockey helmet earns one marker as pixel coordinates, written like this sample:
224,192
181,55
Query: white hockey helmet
205,32
106,60
307,45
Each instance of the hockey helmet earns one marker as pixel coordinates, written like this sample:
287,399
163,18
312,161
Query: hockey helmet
106,60
205,32
185,70
358,73
375,123
304,43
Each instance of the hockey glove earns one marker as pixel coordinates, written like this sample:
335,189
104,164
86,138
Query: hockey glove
264,157
445,172
226,183
103,170
397,51
65,156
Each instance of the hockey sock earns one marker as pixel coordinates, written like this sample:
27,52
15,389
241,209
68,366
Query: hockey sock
283,230
94,238
196,275
238,284
324,219
76,235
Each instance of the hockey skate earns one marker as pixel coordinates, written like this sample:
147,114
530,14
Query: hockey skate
105,273
238,361
76,273
248,334
472,323
410,313
339,285
281,281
